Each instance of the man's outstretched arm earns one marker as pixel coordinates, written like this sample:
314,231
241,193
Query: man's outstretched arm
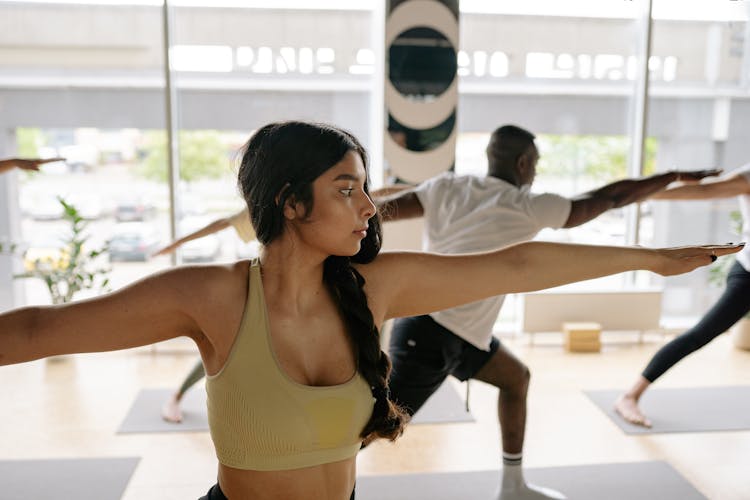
397,203
588,206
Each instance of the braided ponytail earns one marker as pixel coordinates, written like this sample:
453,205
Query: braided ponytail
346,285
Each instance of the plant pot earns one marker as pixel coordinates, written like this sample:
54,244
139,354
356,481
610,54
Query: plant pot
741,334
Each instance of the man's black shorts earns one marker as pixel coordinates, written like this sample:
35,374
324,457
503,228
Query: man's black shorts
424,353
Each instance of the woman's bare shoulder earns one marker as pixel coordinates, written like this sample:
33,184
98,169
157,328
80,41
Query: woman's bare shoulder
218,293
389,268
200,280
215,284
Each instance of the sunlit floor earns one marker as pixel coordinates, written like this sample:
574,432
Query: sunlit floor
73,407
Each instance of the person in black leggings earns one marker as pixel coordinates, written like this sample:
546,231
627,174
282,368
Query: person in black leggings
733,304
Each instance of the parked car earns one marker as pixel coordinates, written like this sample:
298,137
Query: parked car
134,210
133,241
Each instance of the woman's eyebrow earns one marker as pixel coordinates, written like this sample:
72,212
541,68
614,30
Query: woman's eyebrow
346,177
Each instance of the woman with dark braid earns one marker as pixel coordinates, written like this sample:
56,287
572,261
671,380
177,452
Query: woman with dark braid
296,380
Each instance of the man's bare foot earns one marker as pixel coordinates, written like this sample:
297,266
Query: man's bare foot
627,407
529,492
170,411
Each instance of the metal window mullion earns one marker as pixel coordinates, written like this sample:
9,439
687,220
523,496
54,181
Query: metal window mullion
639,112
170,116
640,118
377,96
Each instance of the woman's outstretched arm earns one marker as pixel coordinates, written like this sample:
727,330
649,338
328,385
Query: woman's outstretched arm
407,284
160,307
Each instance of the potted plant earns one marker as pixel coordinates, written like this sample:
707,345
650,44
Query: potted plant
73,267
740,332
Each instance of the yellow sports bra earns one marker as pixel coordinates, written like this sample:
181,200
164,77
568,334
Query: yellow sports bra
261,419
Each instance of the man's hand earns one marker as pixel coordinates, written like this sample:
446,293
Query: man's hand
697,175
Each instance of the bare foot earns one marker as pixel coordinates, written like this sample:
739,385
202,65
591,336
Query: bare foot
627,407
529,492
170,411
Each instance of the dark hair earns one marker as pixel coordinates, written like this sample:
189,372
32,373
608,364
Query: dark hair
281,161
506,146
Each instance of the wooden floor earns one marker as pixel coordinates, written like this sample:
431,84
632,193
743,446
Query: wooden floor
72,408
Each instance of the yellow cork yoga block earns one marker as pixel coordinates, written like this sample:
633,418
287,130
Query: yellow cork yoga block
583,346
582,336
582,331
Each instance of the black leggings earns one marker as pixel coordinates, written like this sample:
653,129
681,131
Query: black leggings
215,493
731,306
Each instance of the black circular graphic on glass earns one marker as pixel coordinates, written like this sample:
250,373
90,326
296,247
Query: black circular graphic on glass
421,63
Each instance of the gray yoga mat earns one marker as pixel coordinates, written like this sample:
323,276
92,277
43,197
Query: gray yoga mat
622,481
79,479
698,409
145,414
444,406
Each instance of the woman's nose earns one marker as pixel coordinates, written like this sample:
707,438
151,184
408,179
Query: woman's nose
369,207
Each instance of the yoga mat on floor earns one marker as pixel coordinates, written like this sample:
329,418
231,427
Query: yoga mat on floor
444,406
79,479
145,414
698,409
623,481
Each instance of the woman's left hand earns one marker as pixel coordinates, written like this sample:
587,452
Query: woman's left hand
684,259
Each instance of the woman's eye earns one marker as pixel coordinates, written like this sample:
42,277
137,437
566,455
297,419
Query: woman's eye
347,192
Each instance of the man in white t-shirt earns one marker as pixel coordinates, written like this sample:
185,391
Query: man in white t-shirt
473,214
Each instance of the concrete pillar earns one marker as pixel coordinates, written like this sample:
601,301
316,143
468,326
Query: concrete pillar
11,291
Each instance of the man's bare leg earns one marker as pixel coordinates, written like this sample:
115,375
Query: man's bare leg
627,404
511,376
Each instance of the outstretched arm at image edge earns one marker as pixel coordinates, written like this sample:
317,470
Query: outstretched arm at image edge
157,308
25,164
407,284
734,185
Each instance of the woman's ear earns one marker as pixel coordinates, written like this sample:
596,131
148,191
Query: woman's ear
290,208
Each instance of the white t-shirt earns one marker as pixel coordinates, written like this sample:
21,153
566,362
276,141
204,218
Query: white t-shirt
743,256
465,214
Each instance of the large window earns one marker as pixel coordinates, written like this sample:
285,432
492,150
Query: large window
237,67
92,95
96,95
564,73
567,71
697,116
